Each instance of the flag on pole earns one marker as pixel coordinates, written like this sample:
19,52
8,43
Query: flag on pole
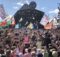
44,20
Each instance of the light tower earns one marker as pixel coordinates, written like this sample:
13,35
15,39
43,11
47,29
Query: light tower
59,11
58,18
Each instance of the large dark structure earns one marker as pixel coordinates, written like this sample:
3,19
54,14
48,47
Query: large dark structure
29,14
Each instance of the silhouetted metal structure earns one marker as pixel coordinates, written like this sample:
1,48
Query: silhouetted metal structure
29,14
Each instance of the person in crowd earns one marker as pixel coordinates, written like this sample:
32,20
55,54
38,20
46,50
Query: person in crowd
55,53
2,52
58,48
47,40
19,50
13,52
33,52
39,54
34,39
8,53
27,53
26,41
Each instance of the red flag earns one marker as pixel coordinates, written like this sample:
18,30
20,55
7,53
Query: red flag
3,23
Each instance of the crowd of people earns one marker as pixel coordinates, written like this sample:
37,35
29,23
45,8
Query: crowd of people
29,43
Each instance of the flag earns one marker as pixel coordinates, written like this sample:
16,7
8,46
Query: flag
17,26
9,22
30,26
13,21
1,19
3,23
44,20
48,26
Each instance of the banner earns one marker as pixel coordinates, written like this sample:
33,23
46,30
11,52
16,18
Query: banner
44,20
